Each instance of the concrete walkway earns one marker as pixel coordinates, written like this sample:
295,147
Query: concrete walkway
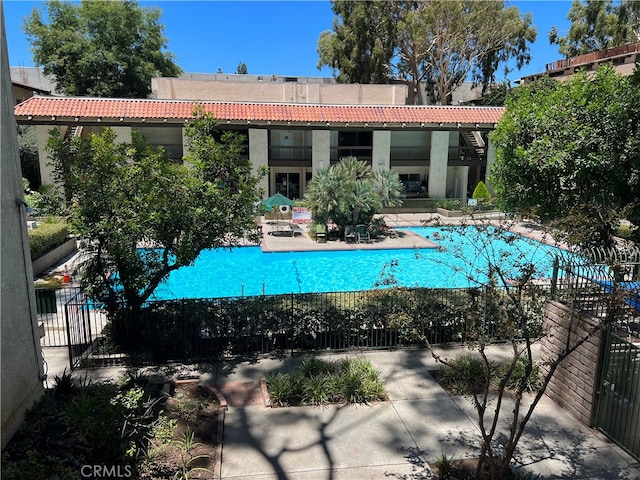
394,439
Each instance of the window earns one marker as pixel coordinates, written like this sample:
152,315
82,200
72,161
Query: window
288,184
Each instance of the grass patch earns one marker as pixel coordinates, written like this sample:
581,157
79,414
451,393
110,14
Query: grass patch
322,382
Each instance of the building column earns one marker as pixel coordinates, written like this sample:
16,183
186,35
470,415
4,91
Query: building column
185,145
439,159
320,149
381,157
259,154
123,134
491,157
465,183
46,170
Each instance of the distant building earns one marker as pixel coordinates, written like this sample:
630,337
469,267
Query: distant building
623,60
295,125
275,88
21,92
34,79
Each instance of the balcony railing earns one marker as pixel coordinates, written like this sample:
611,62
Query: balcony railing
409,153
279,153
593,57
362,153
466,156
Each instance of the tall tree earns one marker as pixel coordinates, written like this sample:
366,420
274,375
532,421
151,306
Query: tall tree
511,305
102,49
444,42
126,195
597,25
360,48
439,42
242,69
569,152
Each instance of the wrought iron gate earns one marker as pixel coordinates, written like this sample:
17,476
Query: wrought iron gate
50,304
84,324
618,413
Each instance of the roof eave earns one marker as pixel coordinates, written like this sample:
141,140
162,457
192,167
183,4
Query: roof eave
155,121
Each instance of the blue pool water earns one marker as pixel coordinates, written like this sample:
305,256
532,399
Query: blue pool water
248,271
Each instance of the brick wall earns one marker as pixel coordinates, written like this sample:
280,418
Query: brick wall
574,384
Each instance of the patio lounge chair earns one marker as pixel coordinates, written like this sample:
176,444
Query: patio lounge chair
294,229
321,233
286,230
349,234
362,234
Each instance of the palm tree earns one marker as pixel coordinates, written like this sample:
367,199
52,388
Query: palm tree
349,193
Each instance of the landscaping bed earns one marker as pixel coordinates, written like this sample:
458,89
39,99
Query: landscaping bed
321,382
131,429
193,449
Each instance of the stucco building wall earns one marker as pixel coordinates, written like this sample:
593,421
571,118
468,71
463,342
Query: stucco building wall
278,92
21,357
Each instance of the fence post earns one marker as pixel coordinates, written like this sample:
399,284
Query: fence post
70,347
184,329
554,277
292,323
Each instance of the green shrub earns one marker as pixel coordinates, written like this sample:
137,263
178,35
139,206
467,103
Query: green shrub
81,422
464,375
47,236
320,382
449,204
481,192
378,227
319,389
313,366
532,383
446,467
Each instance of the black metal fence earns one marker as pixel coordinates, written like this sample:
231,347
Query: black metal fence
602,292
198,329
86,325
618,413
50,304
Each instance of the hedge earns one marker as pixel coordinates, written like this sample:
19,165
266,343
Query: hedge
47,236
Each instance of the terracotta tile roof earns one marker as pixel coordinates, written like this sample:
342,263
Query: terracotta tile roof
40,109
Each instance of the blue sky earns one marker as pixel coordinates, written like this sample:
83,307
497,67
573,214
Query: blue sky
270,37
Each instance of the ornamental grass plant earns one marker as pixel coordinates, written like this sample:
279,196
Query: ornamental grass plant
322,382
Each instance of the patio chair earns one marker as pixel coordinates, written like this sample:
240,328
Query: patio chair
349,234
321,233
362,234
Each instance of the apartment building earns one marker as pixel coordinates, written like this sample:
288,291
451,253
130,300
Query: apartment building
294,126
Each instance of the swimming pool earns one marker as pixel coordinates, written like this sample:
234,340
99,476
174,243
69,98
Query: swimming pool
249,271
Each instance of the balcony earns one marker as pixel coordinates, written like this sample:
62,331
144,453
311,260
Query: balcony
409,156
364,154
593,57
466,156
289,156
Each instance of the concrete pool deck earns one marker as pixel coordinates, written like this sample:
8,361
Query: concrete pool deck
275,239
